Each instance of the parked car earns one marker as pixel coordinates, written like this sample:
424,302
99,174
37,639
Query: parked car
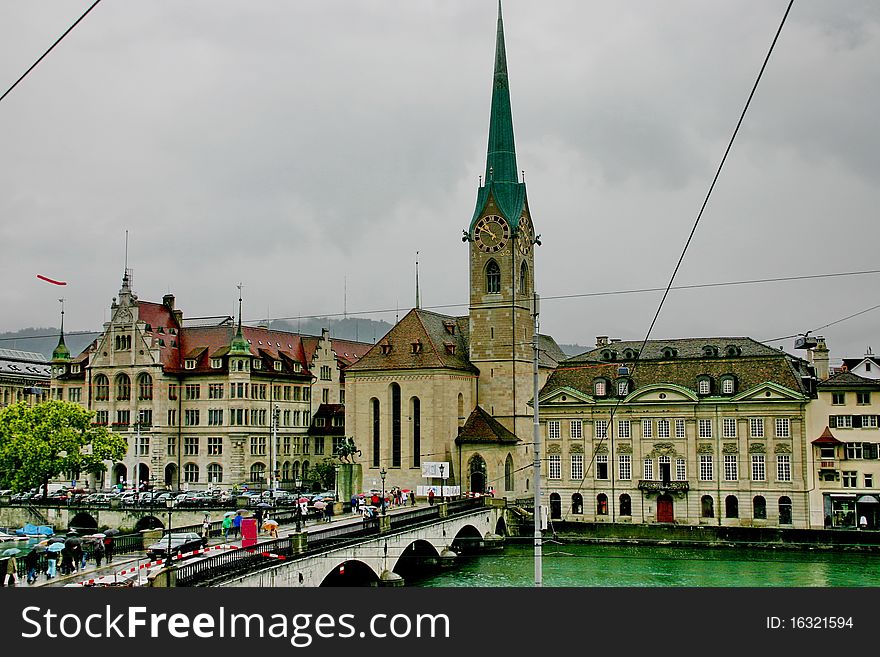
181,543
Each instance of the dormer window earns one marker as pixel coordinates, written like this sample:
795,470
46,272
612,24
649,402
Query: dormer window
450,327
600,388
669,352
608,355
258,365
386,348
319,422
450,348
704,385
216,363
74,369
148,328
297,367
417,347
710,351
630,354
733,351
728,384
161,329
189,364
277,365
623,387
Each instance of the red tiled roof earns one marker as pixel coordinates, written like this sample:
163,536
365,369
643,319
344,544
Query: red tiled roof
827,438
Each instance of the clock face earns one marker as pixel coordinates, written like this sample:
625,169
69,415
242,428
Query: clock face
525,237
491,234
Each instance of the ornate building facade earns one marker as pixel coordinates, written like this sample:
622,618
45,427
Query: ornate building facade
200,401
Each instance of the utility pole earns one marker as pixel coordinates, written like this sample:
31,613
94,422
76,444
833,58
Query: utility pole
272,481
536,469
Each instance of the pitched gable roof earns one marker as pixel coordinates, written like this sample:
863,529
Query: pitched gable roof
482,428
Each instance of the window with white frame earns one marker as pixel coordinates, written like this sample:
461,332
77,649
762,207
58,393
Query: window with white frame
704,428
600,428
215,445
728,427
622,388
783,427
624,467
679,428
838,398
555,471
783,467
599,388
703,387
575,429
680,470
840,422
869,480
663,428
577,466
759,470
601,466
647,429
863,398
854,451
868,421
756,427
623,429
707,467
850,478
731,472
553,429
648,469
727,386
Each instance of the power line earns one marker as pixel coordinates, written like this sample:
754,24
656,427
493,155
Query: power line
838,321
34,65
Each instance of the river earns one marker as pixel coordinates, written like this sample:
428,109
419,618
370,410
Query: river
654,566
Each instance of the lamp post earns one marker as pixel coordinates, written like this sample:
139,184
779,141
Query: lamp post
442,482
298,483
336,481
170,504
383,474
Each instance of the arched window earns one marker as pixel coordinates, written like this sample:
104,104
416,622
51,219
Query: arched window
191,473
285,471
731,506
493,278
395,425
305,471
416,414
707,507
258,473
759,508
123,387
600,387
215,473
523,278
577,504
102,388
377,443
461,417
508,473
602,504
296,473
625,505
784,510
555,506
145,386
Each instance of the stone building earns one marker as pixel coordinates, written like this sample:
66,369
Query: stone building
24,376
196,398
694,431
456,390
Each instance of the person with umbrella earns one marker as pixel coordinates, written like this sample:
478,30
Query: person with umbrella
52,558
11,566
108,544
271,526
258,514
236,523
227,524
99,551
31,561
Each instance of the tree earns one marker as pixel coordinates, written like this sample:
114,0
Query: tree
40,442
324,473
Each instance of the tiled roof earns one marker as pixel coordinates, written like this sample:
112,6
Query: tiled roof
851,363
756,364
481,428
327,412
826,438
439,348
848,380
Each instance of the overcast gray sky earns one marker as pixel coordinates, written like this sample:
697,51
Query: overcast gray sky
305,147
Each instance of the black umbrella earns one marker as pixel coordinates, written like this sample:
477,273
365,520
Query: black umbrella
57,539
73,540
264,505
111,532
39,549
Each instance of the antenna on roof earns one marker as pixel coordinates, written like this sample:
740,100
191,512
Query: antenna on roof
418,302
239,286
345,297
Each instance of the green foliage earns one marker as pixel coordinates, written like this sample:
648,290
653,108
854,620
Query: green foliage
40,442
324,473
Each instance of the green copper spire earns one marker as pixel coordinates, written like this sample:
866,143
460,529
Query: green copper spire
502,181
239,345
61,352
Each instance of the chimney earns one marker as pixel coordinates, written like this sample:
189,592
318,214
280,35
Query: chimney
819,358
168,301
178,315
601,340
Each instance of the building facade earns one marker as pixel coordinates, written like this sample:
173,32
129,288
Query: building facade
24,376
202,402
701,431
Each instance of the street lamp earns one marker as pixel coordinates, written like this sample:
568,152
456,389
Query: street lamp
170,504
382,474
298,483
442,482
336,480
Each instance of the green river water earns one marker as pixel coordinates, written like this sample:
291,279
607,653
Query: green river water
655,566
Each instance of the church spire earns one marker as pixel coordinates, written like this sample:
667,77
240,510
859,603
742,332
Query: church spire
501,153
239,345
61,352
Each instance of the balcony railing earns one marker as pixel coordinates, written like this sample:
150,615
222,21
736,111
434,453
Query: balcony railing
663,486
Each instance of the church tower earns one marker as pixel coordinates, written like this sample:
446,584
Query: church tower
501,240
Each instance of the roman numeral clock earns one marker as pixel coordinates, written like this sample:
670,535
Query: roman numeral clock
491,234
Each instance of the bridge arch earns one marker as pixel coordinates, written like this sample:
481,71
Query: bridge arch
351,573
467,540
148,522
85,520
419,556
501,527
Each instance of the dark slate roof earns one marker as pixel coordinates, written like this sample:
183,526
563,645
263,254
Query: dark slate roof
756,364
848,380
482,428
430,329
327,412
549,353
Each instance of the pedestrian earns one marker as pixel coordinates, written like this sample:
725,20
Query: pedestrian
11,569
227,526
366,514
412,498
354,503
81,557
236,525
328,512
31,560
108,549
206,527
3,572
51,564
98,552
66,561
431,497
259,516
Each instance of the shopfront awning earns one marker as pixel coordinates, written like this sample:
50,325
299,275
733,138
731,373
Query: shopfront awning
842,496
867,499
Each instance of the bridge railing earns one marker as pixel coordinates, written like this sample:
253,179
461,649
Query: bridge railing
232,561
